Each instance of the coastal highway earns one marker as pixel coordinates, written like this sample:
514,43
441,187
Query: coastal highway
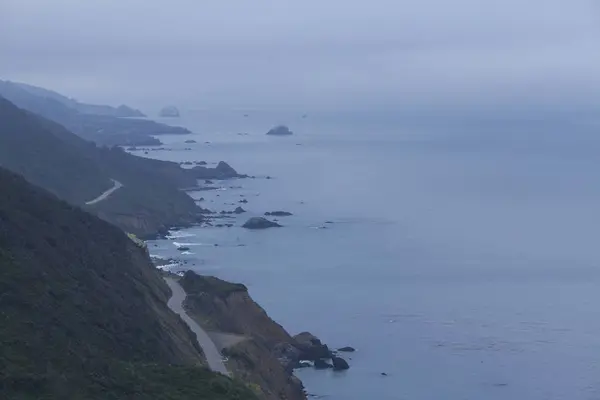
116,186
175,303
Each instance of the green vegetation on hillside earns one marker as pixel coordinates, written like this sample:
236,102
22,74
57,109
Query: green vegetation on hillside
83,311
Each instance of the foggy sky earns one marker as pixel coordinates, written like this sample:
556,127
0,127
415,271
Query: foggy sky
325,54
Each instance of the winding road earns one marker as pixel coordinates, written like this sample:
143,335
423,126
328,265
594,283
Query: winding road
116,186
175,303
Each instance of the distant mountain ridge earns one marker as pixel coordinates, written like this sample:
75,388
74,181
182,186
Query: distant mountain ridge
88,121
84,108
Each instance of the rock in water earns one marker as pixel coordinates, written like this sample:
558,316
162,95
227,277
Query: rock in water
339,364
190,141
239,210
322,364
226,170
260,223
347,349
280,130
278,214
183,248
169,111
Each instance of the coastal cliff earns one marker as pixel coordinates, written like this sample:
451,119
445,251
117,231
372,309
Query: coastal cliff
254,344
84,313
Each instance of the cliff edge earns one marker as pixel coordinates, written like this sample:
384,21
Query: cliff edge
254,344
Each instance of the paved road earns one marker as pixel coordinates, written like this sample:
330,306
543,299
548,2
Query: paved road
116,186
215,361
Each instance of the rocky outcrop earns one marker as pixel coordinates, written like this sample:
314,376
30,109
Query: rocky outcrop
339,364
263,358
169,111
221,171
190,141
346,349
238,210
278,213
260,223
311,347
280,130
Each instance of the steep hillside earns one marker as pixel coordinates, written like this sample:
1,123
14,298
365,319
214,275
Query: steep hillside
76,170
57,165
83,311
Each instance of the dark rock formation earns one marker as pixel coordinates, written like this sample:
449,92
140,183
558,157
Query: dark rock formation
347,349
238,210
183,248
280,130
243,201
226,170
278,214
221,171
322,364
169,111
190,141
339,364
208,182
311,347
260,223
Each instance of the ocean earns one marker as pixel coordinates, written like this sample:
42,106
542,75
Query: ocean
462,263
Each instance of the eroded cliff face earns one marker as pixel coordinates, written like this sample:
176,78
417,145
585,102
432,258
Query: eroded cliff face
257,354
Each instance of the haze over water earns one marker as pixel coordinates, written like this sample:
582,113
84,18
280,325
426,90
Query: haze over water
461,262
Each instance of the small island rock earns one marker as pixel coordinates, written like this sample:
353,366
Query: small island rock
347,349
260,223
280,130
339,364
278,214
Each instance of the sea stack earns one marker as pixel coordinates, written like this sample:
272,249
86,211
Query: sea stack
280,130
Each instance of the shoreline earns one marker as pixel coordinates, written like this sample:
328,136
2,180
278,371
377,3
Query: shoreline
284,355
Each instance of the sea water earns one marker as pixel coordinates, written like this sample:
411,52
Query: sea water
462,263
